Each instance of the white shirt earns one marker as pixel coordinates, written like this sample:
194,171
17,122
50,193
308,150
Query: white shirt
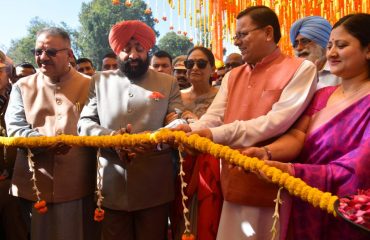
293,101
326,78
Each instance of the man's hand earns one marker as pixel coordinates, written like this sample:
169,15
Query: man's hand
124,154
203,133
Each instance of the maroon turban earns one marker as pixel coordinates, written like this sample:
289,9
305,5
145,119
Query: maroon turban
122,32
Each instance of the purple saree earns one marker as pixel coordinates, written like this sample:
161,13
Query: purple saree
335,158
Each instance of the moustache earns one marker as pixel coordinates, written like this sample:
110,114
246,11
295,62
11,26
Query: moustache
46,62
183,79
303,53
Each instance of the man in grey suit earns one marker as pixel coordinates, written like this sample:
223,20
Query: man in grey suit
136,191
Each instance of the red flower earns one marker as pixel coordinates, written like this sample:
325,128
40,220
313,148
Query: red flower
41,206
98,215
156,96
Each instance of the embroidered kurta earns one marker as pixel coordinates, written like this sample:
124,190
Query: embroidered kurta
39,107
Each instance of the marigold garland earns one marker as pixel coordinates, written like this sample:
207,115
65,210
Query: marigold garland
40,205
295,186
99,212
187,233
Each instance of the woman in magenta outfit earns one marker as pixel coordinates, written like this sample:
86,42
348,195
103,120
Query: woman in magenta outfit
331,141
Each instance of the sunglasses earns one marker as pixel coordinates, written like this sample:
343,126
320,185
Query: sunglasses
232,65
201,64
302,41
51,52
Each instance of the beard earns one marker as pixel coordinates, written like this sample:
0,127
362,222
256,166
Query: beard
133,72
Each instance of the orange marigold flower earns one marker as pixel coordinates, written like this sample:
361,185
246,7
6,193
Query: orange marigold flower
99,215
188,236
42,210
156,96
40,204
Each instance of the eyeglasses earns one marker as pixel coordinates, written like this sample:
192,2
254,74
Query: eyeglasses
303,42
241,35
232,65
51,52
201,64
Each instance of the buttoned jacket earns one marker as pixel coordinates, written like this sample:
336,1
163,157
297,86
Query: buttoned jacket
114,102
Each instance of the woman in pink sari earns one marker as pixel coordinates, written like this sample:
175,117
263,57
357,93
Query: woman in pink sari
330,144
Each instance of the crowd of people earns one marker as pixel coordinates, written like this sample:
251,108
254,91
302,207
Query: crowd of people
307,115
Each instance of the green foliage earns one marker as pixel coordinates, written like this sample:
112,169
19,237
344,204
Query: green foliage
175,44
97,17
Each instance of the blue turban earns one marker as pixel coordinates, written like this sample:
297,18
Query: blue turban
315,28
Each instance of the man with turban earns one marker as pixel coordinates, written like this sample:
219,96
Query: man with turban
309,37
138,183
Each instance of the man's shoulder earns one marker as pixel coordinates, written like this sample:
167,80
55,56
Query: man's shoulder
160,76
31,79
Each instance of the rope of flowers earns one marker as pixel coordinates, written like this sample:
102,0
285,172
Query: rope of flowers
40,205
295,186
187,235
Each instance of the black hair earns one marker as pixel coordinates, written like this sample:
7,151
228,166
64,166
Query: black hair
26,65
163,54
358,26
263,16
110,55
82,60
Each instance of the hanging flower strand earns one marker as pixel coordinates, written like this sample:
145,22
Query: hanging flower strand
40,205
99,212
187,233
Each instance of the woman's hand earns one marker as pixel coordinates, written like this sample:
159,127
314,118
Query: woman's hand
257,152
170,117
189,116
285,167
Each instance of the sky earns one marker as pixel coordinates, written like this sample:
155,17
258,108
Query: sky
15,16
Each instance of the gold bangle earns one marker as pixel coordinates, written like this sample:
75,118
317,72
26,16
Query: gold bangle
268,152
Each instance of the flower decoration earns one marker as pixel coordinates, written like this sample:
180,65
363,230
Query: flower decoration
296,186
179,32
156,20
156,96
128,3
41,206
99,214
164,18
171,27
187,236
185,33
356,208
148,11
116,2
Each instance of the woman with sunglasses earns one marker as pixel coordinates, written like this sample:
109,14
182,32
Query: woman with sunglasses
331,141
202,171
200,65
